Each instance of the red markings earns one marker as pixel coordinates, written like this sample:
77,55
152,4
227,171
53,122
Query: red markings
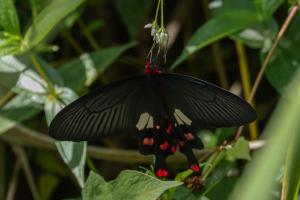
195,168
189,136
162,173
170,129
148,141
148,69
164,146
173,149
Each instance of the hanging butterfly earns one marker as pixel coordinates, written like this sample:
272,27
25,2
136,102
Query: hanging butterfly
165,110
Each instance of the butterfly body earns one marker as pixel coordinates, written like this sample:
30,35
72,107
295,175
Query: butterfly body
165,110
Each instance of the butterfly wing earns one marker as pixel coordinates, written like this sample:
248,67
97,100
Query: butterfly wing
106,111
205,104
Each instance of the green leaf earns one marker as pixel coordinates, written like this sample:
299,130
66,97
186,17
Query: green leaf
9,43
9,20
83,71
182,193
292,167
258,180
74,155
46,185
17,110
285,60
216,185
129,185
133,13
268,7
217,28
240,150
47,19
96,188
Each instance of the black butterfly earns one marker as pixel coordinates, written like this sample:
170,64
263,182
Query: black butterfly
165,110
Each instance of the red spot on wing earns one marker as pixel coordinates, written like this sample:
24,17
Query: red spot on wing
173,149
164,146
195,168
161,173
148,141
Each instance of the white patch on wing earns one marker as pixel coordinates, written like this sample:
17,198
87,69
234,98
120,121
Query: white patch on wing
181,118
145,121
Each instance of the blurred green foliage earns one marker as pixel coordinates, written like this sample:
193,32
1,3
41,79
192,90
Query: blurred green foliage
53,51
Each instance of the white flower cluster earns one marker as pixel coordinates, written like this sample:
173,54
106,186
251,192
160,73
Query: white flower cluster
160,35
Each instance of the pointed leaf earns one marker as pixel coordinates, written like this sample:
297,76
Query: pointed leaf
74,154
9,20
217,28
129,185
47,19
83,71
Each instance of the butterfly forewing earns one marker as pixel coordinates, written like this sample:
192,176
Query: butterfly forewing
205,104
105,111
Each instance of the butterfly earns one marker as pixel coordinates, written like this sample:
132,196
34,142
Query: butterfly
165,110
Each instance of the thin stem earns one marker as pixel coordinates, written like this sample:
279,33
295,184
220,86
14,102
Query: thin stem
281,32
25,136
157,10
6,98
244,71
162,14
42,73
89,36
71,40
21,155
14,181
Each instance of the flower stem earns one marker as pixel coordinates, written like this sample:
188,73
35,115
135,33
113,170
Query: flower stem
42,73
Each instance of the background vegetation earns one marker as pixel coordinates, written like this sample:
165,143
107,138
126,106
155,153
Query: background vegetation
56,50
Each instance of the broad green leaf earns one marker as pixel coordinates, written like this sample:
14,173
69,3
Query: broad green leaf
133,13
74,155
129,185
268,7
96,188
286,60
217,28
47,19
83,71
240,150
217,175
258,180
292,167
17,110
9,20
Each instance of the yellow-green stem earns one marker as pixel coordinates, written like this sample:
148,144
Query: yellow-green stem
244,71
284,27
5,99
89,36
41,72
73,42
157,10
